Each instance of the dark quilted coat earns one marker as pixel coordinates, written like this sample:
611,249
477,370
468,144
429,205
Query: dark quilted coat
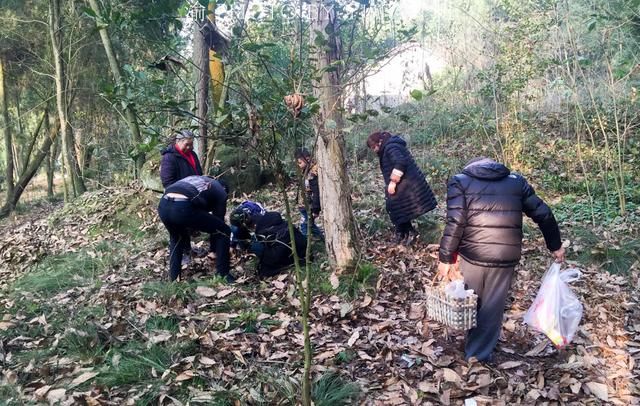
273,231
174,166
413,195
484,216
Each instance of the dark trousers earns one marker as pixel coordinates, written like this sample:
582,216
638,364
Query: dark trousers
180,216
492,287
404,228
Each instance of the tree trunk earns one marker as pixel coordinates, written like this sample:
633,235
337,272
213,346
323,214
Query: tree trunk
18,145
216,47
68,147
202,77
219,112
30,171
8,141
130,113
27,154
335,190
51,161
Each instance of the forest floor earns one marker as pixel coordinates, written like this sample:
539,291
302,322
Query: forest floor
88,318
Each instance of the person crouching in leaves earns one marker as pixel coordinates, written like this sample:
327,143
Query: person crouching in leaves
272,243
407,193
310,172
240,220
198,203
484,227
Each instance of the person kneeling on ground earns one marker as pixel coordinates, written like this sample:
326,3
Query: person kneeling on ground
198,203
240,220
272,243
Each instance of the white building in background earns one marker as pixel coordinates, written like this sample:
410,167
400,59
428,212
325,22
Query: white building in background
411,67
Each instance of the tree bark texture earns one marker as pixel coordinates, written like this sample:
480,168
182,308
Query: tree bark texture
129,112
52,157
68,144
201,63
6,125
335,190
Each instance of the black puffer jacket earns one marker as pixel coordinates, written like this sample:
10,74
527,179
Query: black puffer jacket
174,166
484,216
273,232
413,195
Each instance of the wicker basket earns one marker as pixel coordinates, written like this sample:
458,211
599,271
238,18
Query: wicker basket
458,314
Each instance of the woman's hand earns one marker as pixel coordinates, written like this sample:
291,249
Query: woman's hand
391,188
558,255
448,272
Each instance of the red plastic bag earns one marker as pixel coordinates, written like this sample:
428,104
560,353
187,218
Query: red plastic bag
556,310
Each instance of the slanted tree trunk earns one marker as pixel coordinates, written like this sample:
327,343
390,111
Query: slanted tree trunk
32,143
62,88
335,189
31,168
6,125
129,112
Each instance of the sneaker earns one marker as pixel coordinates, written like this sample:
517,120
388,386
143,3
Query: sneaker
186,260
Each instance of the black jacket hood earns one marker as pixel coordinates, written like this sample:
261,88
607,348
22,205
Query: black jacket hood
486,169
394,139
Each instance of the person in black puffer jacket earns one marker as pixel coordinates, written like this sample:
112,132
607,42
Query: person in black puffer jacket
273,245
407,193
484,227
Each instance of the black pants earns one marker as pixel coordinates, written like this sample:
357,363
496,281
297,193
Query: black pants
178,217
404,228
492,287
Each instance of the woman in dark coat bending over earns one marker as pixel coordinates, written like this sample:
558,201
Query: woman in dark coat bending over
407,193
198,203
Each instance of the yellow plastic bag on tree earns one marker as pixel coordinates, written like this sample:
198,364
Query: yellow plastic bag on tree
556,310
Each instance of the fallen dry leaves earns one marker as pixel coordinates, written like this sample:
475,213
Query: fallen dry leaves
380,339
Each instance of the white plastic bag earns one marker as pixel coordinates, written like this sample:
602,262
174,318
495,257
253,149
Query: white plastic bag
455,289
556,310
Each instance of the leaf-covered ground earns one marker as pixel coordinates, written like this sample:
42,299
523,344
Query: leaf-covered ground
88,318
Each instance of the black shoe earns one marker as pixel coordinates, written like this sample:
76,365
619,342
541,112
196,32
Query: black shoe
229,278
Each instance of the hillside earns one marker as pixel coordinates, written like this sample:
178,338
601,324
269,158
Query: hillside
88,318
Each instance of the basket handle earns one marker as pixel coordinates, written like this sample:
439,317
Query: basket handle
433,281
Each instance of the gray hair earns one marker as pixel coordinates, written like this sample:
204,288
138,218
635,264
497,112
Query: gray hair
184,134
